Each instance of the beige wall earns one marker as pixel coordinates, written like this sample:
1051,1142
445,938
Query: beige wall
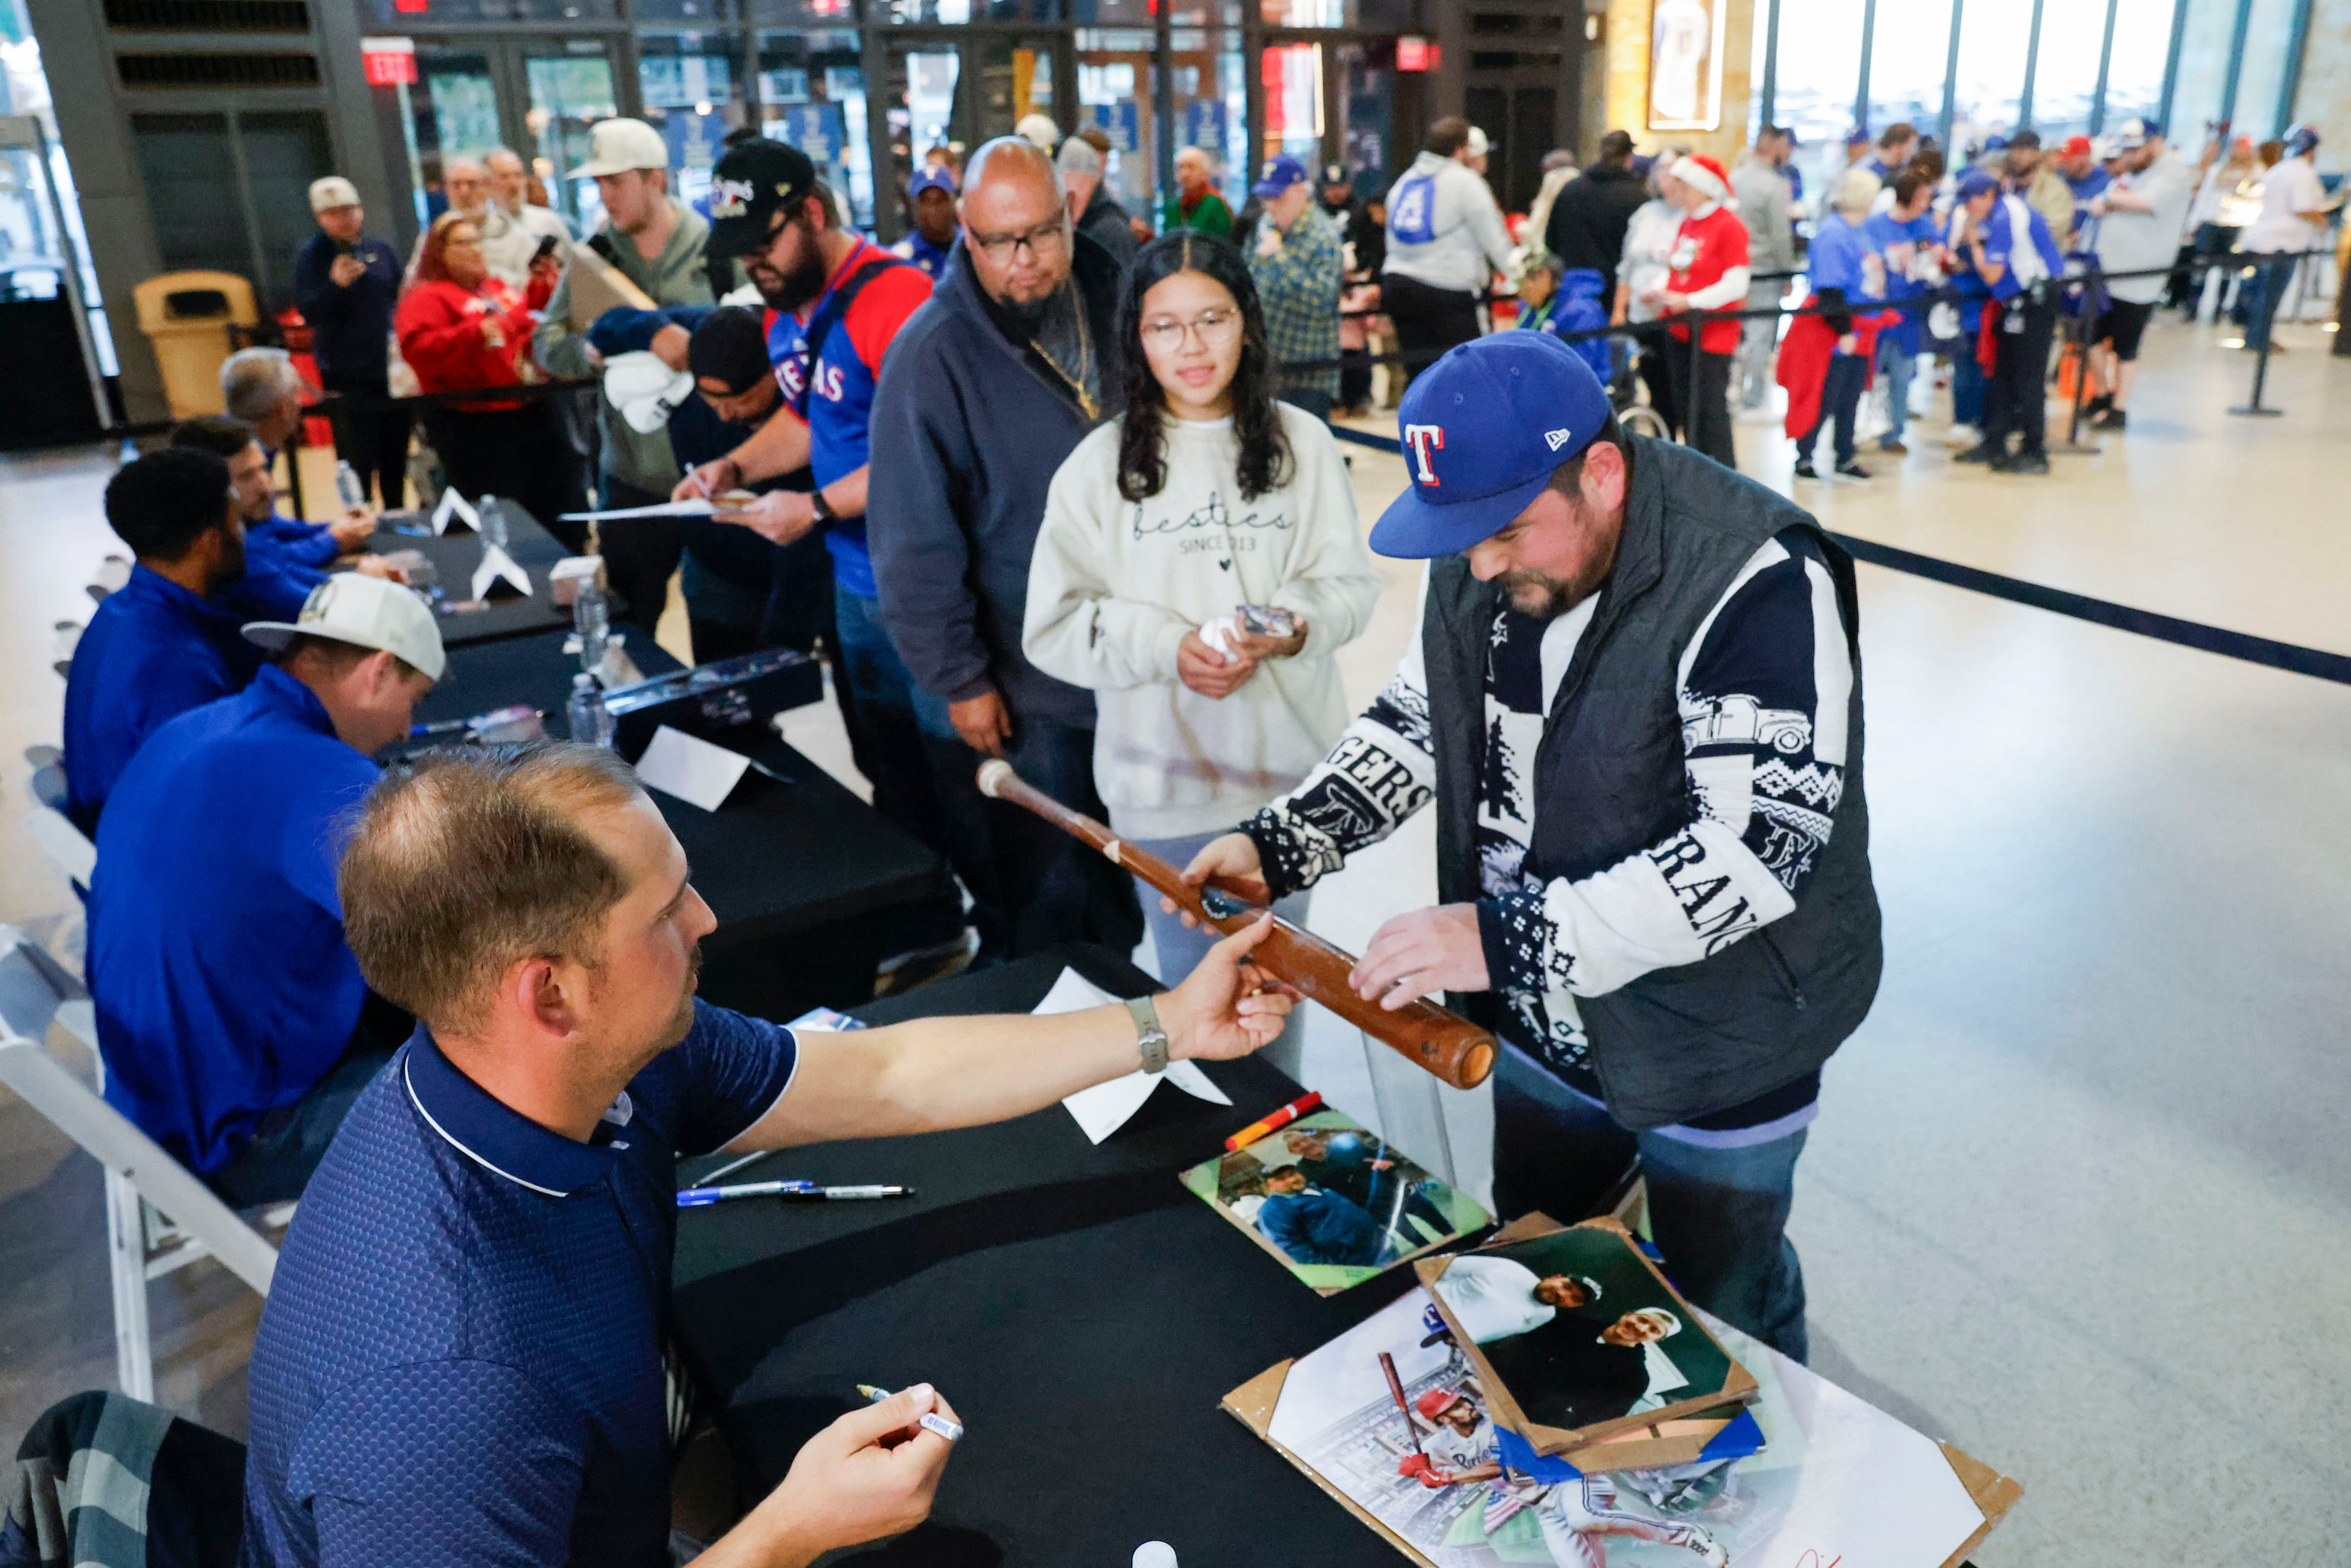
1628,79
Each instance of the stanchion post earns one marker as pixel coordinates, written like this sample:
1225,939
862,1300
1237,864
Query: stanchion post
1697,321
2085,330
2267,320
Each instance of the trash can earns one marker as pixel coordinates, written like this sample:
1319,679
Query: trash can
187,317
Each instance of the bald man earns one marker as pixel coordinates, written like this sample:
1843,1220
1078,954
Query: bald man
984,394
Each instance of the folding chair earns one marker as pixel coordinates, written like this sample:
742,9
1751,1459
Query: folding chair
65,845
143,1184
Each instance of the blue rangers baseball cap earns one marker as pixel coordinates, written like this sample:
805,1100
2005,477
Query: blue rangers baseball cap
932,177
1483,429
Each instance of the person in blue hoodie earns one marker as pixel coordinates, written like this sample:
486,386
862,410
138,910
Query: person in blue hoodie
2011,249
1312,1225
1563,301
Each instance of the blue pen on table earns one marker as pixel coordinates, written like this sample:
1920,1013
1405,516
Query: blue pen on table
930,1420
700,1197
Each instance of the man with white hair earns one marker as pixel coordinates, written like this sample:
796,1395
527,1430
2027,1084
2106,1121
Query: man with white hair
1084,176
510,194
1195,203
657,243
261,387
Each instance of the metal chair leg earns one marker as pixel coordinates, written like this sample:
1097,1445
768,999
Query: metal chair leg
126,1237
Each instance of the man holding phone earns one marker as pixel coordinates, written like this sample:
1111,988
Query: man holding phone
347,282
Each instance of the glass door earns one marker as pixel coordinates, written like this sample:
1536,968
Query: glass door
535,96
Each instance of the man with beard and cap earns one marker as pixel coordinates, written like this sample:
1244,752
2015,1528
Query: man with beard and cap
655,241
987,392
838,303
1635,703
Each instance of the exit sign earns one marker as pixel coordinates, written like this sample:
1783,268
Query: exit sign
1415,54
388,62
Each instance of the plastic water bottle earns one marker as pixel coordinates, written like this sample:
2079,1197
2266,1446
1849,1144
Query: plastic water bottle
590,720
348,486
494,522
591,618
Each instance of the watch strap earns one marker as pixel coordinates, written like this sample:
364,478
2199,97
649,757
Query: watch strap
1149,1037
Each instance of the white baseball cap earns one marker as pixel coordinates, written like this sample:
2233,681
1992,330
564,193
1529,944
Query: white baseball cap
616,146
645,391
334,191
367,612
1039,129
1478,146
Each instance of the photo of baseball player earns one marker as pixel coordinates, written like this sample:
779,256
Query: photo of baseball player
1455,1445
1334,1201
1578,1329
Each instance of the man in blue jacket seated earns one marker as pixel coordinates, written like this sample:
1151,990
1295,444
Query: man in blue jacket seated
461,1358
742,593
284,560
235,1028
164,643
1314,1226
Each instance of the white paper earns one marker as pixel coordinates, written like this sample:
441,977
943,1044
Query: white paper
1837,1478
1106,1107
496,564
691,769
695,506
453,504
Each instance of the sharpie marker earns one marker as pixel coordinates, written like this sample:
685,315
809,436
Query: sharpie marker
931,1420
701,1196
1304,1104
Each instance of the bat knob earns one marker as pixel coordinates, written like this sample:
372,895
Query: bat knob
994,774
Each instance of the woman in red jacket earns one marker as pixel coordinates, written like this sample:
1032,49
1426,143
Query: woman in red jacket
461,329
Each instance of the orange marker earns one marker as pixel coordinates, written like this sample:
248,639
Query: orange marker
1306,1104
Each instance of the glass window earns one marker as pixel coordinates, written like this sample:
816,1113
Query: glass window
955,12
1910,58
2066,76
1205,70
694,92
1820,75
1377,100
568,92
2269,36
2134,71
1293,78
1114,93
812,95
1992,37
2203,62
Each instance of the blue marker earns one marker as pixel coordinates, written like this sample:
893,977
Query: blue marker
701,1196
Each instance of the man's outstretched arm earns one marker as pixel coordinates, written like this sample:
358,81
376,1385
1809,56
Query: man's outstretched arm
929,1074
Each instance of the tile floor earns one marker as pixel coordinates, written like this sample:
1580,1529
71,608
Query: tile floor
2077,1199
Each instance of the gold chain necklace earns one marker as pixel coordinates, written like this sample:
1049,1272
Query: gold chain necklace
1076,383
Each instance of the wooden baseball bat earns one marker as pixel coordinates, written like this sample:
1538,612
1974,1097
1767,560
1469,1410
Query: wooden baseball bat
1396,1387
1443,1043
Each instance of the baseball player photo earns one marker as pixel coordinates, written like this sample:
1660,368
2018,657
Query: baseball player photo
1456,1447
1578,1329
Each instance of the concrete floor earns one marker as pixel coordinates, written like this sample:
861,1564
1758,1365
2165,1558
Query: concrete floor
2076,1200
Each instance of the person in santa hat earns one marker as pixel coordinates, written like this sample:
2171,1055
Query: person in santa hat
1709,273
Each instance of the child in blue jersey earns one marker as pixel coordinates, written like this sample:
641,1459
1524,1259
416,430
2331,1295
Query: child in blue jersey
1904,238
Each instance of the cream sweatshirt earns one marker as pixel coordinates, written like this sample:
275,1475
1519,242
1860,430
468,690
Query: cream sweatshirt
1115,584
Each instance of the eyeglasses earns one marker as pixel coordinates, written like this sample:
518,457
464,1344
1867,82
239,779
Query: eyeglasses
1217,326
1045,237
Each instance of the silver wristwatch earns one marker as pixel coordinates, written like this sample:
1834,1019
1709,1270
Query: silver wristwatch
1149,1038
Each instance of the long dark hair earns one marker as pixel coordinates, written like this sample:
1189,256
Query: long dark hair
1265,462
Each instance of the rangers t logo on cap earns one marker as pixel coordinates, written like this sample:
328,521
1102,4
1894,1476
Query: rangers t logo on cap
1506,411
1424,439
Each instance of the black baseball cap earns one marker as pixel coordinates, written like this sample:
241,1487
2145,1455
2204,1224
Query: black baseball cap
730,347
754,181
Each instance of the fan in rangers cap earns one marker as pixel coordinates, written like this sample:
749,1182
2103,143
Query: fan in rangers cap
1635,704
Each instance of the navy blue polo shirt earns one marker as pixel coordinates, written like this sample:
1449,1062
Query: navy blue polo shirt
223,986
152,651
461,1357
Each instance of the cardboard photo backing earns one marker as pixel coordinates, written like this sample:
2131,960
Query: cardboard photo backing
597,286
1254,1402
1738,1385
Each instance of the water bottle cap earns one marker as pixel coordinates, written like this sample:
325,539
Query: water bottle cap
583,682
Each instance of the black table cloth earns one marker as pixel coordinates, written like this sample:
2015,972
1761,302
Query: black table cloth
455,555
1081,1311
812,887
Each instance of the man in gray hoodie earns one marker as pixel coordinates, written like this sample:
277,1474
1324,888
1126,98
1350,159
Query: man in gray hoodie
988,388
656,242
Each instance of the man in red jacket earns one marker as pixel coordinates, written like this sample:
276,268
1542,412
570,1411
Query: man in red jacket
1709,273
